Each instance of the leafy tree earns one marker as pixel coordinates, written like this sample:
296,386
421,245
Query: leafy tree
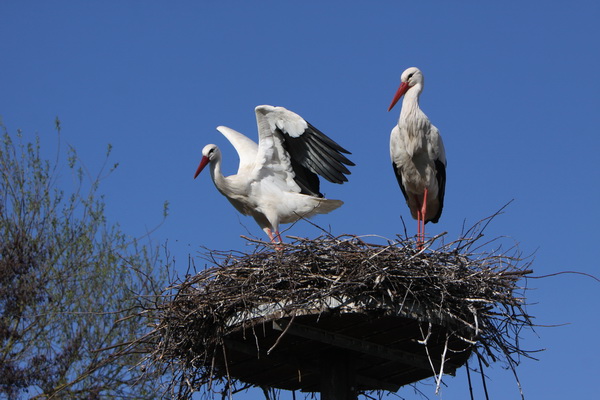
71,284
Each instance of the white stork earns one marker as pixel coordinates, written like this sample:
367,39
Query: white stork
276,182
418,155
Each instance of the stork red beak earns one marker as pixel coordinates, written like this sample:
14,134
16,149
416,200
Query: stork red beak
401,90
203,163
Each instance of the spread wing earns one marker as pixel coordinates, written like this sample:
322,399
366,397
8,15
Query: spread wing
307,152
246,148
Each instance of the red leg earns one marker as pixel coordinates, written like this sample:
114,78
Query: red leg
423,214
419,229
275,238
419,225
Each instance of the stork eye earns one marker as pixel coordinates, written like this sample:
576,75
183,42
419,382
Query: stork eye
410,75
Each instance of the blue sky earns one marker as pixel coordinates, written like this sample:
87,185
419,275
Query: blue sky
512,86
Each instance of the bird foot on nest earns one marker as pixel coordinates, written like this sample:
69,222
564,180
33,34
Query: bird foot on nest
276,240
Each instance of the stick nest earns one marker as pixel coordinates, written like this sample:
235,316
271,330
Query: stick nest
472,290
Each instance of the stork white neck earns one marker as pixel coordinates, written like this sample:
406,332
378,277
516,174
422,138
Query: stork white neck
217,175
410,103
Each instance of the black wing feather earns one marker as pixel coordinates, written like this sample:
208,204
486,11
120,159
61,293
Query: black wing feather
322,165
398,173
313,153
440,174
307,180
332,156
304,176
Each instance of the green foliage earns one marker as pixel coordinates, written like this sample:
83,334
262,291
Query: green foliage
71,284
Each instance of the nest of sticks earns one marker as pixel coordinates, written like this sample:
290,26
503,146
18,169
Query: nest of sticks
475,290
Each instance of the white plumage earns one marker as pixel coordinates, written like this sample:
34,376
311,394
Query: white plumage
418,154
276,182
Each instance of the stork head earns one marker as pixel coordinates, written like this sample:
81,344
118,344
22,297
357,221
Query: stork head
409,78
210,152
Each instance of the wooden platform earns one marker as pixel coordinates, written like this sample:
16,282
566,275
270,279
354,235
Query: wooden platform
375,348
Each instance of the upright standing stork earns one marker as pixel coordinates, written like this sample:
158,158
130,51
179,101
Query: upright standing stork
277,179
418,155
